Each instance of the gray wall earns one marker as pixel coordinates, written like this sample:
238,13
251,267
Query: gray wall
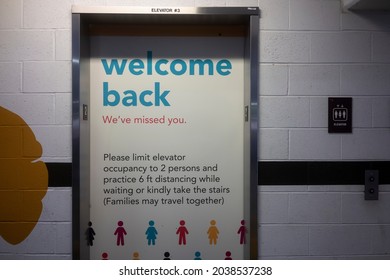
309,50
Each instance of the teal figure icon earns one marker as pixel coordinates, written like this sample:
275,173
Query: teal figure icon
151,234
197,256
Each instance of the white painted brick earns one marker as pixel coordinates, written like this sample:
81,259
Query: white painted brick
339,47
47,14
63,108
365,79
362,21
10,77
56,141
10,14
314,15
26,45
283,240
356,210
273,144
54,76
328,240
381,112
361,112
273,79
381,240
279,112
57,206
314,145
42,239
63,45
35,109
64,238
315,208
319,112
314,80
366,144
284,47
381,46
273,208
274,14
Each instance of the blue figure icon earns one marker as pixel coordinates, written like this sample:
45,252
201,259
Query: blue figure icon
151,234
197,256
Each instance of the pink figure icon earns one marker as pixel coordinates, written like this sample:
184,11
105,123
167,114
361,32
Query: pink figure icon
105,256
182,231
120,233
242,232
228,255
213,232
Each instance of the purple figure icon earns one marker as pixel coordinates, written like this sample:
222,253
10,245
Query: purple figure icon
120,232
182,231
104,256
228,255
242,232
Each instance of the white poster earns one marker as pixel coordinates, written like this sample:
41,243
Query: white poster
167,118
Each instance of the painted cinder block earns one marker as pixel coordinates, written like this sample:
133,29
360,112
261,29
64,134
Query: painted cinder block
274,14
365,22
10,77
283,240
63,108
368,144
35,109
64,237
314,15
42,239
334,240
341,47
10,14
273,208
284,112
56,142
52,76
284,47
381,240
365,79
311,208
318,112
362,112
356,210
47,14
18,45
380,47
314,80
273,144
381,112
57,205
273,79
63,45
310,144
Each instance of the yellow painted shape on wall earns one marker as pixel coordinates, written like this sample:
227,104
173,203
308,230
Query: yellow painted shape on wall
23,178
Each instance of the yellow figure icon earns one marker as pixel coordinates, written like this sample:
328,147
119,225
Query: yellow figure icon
213,232
24,178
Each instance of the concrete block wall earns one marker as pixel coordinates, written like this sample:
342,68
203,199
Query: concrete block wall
309,50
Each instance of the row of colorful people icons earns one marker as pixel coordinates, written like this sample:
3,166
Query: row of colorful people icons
167,256
182,232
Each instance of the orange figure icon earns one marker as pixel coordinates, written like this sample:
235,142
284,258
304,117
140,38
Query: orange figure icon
213,232
135,256
120,233
182,231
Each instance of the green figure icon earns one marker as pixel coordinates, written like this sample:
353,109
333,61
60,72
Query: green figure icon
213,232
